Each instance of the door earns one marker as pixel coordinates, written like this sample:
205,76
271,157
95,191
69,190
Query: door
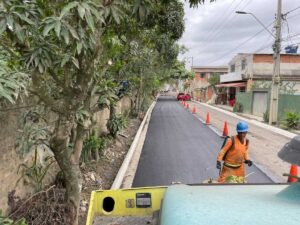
260,101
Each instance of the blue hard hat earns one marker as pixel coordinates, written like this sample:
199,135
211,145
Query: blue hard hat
242,127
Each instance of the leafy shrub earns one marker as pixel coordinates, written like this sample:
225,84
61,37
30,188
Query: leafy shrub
292,120
116,123
93,145
7,221
238,107
266,116
36,172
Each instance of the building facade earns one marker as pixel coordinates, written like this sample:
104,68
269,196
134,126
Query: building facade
253,72
199,87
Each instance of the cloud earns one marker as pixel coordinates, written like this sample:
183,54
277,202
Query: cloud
214,33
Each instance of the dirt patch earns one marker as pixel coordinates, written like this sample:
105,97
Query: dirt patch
48,206
43,208
101,174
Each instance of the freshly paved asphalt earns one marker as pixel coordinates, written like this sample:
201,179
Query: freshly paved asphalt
179,148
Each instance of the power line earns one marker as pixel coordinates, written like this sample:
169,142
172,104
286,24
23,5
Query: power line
230,19
293,16
219,18
265,46
285,39
293,10
225,16
241,44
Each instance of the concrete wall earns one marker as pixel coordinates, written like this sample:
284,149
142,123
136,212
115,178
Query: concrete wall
10,160
10,116
100,118
288,103
245,98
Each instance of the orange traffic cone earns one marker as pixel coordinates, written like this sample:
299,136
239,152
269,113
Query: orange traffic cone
225,130
194,110
293,172
207,119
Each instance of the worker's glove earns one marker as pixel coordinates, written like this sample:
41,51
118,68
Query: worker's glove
218,165
249,162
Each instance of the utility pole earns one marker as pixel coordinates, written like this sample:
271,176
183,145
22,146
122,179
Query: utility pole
273,116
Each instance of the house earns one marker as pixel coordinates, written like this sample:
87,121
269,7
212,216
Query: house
199,87
253,72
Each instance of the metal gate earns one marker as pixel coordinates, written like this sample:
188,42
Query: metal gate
260,101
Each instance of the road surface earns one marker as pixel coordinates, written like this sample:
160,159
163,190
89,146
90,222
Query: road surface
179,148
264,143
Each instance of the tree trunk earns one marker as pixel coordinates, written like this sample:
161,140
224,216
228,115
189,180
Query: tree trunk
69,165
97,155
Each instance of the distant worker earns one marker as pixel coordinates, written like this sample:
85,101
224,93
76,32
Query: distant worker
234,153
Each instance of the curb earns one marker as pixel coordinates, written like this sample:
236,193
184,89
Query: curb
124,167
276,130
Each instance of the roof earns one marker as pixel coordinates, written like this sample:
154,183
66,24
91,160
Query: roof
267,54
240,84
210,67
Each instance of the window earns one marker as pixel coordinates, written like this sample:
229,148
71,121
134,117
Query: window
242,89
244,64
202,75
232,68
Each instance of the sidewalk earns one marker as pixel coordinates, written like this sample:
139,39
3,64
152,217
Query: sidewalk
248,116
265,141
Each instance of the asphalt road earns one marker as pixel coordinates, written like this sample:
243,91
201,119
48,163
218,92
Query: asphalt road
179,148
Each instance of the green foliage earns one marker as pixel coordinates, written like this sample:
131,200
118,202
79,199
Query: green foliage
90,146
238,107
37,171
115,124
34,138
6,221
266,116
214,79
35,133
235,179
12,82
292,120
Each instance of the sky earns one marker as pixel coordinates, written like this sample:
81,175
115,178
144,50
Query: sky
214,33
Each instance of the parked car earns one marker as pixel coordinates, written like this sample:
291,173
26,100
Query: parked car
184,97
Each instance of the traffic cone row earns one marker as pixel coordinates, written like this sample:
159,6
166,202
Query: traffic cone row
207,121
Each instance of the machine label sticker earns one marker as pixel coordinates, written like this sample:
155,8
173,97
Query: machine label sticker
143,200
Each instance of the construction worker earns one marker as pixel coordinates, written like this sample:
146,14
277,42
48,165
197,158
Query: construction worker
234,153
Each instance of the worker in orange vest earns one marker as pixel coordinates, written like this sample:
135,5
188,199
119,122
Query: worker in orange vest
234,153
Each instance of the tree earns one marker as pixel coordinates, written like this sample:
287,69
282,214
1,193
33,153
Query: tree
213,80
60,45
63,49
66,47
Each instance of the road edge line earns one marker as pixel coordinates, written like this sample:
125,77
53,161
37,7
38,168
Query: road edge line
276,130
124,167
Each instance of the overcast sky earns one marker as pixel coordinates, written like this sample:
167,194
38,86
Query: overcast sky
214,33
